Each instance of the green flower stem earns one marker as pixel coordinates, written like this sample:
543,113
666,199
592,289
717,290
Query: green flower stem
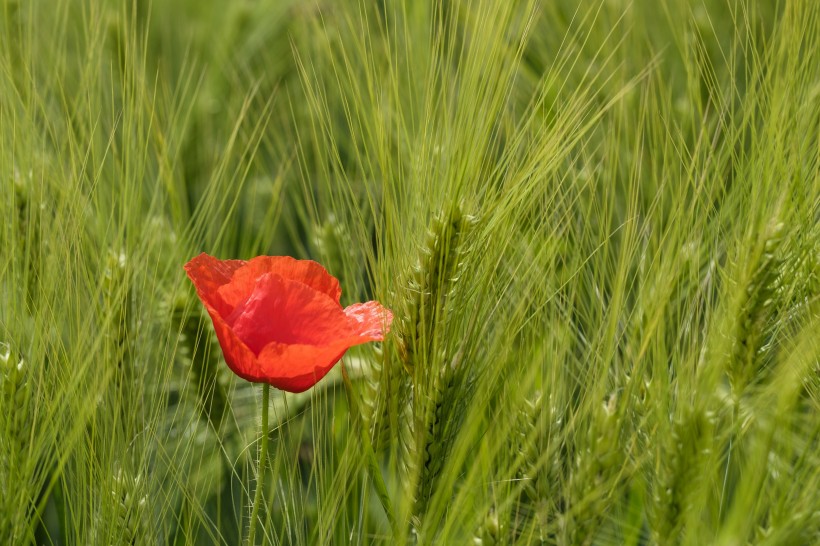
263,462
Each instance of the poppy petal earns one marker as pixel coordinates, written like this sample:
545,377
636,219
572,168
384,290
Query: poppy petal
209,274
372,319
237,355
306,272
296,368
285,311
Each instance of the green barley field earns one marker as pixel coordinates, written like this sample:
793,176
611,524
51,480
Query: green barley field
597,225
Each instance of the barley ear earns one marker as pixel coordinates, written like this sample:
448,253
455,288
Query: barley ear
758,289
430,284
131,504
680,466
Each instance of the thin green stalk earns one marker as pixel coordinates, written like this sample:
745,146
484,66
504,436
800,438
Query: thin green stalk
263,461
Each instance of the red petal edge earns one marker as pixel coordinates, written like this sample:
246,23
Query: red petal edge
306,272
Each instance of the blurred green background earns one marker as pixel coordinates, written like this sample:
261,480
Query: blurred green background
596,223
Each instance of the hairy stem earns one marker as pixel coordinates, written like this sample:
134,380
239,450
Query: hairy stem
263,461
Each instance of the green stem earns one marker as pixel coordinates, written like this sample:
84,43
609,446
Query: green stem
263,462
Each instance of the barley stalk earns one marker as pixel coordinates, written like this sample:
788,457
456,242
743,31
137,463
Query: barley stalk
598,459
490,532
680,465
755,310
384,378
15,394
430,286
198,351
430,416
430,423
118,314
533,466
131,505
28,222
387,385
329,241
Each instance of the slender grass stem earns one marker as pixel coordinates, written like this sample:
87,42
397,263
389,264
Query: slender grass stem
263,461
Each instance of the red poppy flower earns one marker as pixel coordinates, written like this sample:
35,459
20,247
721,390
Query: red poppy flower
279,320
